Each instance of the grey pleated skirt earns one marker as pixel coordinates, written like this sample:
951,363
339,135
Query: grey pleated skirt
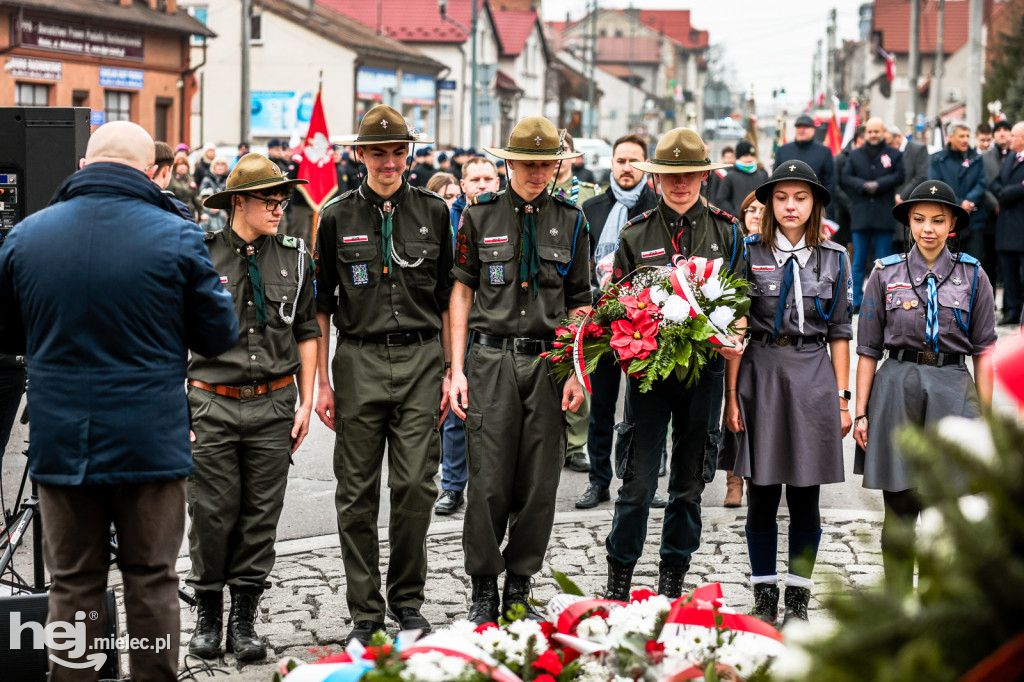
789,402
906,393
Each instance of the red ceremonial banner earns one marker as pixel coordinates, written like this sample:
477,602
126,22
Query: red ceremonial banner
317,164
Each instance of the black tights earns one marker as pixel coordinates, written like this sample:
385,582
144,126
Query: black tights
804,513
901,510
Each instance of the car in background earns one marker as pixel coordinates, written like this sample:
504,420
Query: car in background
725,128
597,157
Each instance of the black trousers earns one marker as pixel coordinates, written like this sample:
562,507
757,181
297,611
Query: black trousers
12,386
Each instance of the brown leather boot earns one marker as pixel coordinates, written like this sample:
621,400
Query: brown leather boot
733,490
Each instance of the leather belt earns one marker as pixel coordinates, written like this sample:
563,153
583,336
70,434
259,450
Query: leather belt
523,345
783,340
242,392
392,338
927,357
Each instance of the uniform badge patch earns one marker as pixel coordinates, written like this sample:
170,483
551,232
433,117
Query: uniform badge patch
553,232
762,268
888,299
714,247
496,240
424,230
849,289
360,274
897,285
906,305
652,253
957,281
223,280
496,272
355,239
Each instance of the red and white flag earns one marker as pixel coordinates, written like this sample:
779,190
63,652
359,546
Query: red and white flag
317,165
890,66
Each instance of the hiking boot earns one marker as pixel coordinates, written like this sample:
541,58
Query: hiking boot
517,591
796,600
766,602
620,578
484,608
205,642
670,579
242,639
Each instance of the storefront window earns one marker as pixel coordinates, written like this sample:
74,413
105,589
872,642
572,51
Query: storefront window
32,95
117,105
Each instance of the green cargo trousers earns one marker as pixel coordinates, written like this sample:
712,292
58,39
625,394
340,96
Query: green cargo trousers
515,459
386,395
236,493
579,428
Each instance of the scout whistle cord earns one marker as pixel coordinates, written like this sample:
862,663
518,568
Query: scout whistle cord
259,296
300,272
927,302
386,211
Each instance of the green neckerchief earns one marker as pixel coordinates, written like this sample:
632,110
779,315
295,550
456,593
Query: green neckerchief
387,210
250,252
529,256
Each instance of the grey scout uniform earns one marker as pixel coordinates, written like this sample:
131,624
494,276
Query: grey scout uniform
243,444
800,445
387,380
652,239
893,318
516,453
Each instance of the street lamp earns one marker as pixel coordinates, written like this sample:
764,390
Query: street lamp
442,6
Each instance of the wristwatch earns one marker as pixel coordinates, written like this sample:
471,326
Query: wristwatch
845,394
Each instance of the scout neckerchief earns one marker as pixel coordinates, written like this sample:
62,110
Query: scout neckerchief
529,255
386,210
250,251
676,235
799,254
931,299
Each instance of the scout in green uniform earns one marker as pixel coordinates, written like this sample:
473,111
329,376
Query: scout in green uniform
244,417
522,267
681,224
384,259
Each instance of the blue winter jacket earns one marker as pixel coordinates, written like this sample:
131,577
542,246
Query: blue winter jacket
965,173
105,291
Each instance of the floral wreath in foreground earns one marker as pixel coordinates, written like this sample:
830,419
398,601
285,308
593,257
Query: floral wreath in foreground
666,320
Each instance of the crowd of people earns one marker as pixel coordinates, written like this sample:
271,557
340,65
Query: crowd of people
442,280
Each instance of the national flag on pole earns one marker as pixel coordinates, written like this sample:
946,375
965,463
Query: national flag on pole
851,123
833,137
317,165
890,66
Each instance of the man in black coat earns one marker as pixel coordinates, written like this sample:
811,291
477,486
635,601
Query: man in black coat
871,176
1008,187
993,157
915,167
627,196
841,197
424,168
731,187
814,154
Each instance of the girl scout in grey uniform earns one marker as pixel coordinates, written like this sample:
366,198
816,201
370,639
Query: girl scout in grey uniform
928,310
786,398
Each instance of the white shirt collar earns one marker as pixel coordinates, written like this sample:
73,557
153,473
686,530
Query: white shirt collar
783,249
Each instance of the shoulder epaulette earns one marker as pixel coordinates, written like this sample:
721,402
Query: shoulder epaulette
640,218
591,185
894,259
752,239
829,244
289,241
340,197
485,198
565,200
424,190
967,258
720,213
210,236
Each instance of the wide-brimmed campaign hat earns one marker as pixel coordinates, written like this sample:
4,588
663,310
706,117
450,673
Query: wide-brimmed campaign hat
534,139
796,171
680,151
385,125
253,173
936,192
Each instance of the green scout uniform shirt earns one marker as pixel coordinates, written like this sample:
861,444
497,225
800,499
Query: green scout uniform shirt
647,240
350,266
490,241
261,355
587,190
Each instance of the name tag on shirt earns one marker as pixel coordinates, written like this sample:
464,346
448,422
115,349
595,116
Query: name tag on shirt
762,268
496,240
223,280
898,285
355,239
653,253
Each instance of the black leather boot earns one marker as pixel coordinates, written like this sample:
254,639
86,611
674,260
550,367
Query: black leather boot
517,591
796,599
766,602
205,642
620,578
670,579
484,608
242,638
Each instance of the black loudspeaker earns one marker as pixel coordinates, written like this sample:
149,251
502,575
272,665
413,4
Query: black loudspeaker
28,662
39,148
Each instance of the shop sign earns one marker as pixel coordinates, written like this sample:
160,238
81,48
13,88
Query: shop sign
38,69
79,39
126,79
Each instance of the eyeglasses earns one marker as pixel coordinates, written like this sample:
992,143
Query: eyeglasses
750,209
272,204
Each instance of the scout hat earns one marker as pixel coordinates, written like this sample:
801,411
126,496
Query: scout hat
797,171
384,125
680,151
533,139
253,173
937,192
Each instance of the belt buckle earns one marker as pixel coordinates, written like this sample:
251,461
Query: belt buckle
928,358
247,392
521,345
398,336
781,340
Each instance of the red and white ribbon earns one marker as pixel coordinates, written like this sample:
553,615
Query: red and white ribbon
703,269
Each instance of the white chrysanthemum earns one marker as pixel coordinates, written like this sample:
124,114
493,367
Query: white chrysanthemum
793,663
524,629
721,317
658,296
593,671
493,640
972,435
675,309
591,628
740,657
463,627
432,666
974,507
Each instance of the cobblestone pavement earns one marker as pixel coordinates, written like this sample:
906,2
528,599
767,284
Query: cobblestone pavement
305,609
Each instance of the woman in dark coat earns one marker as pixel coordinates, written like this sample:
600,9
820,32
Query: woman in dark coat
786,398
927,310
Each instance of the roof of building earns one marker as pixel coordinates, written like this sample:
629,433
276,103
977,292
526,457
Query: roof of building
417,21
625,50
349,33
675,24
136,15
513,29
891,19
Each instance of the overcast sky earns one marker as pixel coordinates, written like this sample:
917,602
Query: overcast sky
768,43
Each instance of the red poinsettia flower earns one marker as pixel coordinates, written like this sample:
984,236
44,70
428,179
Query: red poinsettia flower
484,627
566,331
548,662
655,651
634,338
641,595
544,677
594,330
638,305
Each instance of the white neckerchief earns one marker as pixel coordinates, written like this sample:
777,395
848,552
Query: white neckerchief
783,250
